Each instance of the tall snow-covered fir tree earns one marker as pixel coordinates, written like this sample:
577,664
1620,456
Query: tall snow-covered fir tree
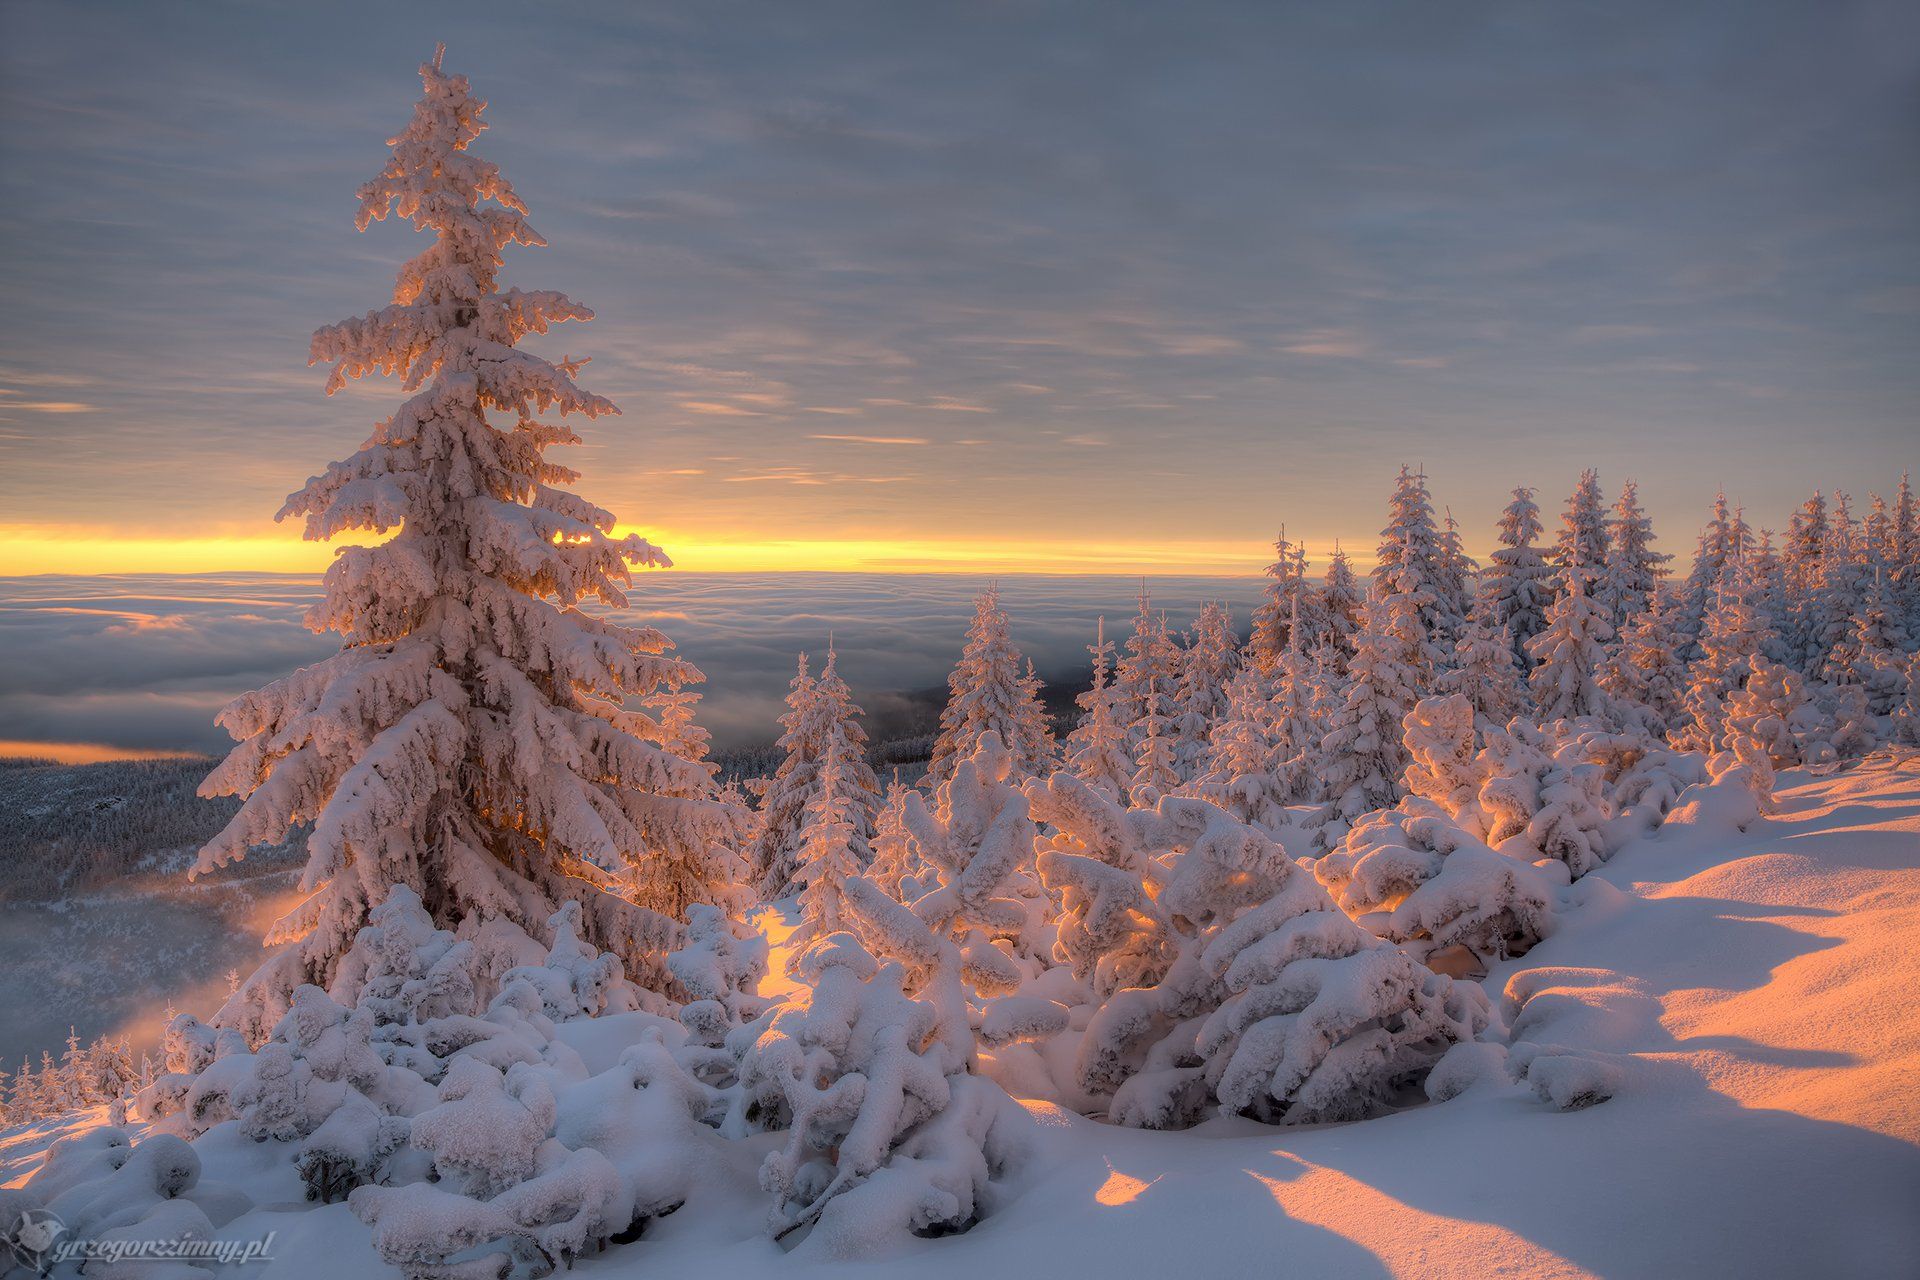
1633,570
1583,543
1568,655
832,849
1157,773
1485,673
1517,586
821,722
1345,601
478,738
1415,559
1207,665
1147,674
1734,632
1644,671
1362,754
992,690
1096,751
1289,600
1722,546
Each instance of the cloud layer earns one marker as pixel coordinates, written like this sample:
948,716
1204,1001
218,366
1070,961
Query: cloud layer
146,662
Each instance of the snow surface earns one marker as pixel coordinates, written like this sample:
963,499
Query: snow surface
1746,997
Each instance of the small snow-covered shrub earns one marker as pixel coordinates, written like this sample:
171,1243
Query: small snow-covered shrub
861,1076
1413,876
1537,806
1252,992
719,967
1773,713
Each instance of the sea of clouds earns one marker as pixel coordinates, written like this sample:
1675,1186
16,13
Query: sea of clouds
145,662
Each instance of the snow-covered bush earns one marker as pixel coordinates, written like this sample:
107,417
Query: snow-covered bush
1773,713
1537,806
1245,987
1413,876
1906,717
871,1087
719,968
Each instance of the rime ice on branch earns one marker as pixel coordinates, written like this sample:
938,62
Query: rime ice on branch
478,738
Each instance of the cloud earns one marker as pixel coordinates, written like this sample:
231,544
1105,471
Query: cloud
42,378
1614,332
932,404
73,675
715,409
874,439
47,406
1335,344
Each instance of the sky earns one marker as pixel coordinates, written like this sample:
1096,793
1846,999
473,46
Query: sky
995,286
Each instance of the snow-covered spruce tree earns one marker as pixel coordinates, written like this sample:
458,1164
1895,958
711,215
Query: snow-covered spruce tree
1485,672
1156,772
478,737
784,795
1841,594
1346,601
1874,656
1721,547
1568,655
1147,675
1444,764
1222,975
1240,771
1361,752
1633,569
872,1065
1307,689
977,837
832,849
897,868
1903,560
1290,601
1517,585
1415,560
1643,675
1207,664
1459,573
1097,749
1582,547
821,720
1802,571
988,692
1733,633
886,1129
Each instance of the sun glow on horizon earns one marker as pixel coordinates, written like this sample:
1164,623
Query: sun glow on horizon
81,550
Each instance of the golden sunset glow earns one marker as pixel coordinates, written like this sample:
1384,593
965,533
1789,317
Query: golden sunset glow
79,752
36,549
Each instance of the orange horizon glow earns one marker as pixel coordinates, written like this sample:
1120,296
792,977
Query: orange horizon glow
27,550
82,752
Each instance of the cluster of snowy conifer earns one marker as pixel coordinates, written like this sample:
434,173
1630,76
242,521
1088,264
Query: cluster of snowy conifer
86,1075
519,1012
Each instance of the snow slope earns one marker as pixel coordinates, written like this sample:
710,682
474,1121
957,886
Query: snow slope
1754,989
1749,993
